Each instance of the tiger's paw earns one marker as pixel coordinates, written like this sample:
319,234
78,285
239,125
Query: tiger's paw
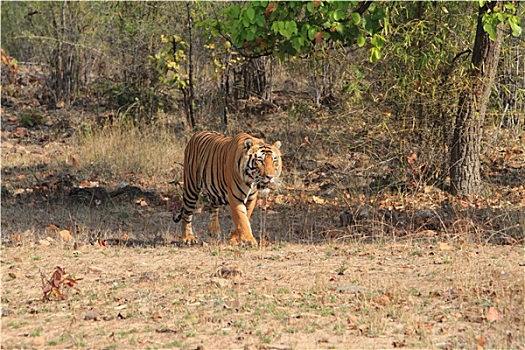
236,239
189,240
214,228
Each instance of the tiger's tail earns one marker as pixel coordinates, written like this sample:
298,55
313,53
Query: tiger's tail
177,216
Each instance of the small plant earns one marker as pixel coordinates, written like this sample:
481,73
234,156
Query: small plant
266,340
339,328
22,311
13,325
37,332
31,119
416,253
341,269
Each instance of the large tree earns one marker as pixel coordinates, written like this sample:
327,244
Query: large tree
291,29
465,174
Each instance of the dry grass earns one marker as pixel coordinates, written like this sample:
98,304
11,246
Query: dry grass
153,150
414,295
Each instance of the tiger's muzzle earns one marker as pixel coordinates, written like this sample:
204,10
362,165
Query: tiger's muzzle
267,182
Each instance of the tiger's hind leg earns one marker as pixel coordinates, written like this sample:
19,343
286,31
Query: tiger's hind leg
214,227
189,202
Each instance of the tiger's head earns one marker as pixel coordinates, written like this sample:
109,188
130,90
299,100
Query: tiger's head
262,164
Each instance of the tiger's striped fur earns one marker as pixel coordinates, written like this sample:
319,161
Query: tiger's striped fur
231,171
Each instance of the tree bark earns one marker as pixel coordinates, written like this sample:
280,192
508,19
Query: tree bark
465,169
191,97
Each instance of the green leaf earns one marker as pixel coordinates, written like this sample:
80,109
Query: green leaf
375,54
310,6
259,20
490,30
360,40
296,44
516,29
311,33
356,17
250,13
292,26
250,36
378,15
234,11
338,15
378,41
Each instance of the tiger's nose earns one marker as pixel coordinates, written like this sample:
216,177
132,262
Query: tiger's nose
269,178
266,179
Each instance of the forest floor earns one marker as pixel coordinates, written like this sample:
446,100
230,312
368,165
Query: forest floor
356,250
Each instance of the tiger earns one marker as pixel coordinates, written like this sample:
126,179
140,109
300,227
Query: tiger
231,170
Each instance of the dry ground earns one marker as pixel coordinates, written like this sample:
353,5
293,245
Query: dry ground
287,296
409,266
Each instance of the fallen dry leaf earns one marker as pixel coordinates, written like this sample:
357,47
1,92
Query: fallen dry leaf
269,9
382,299
318,200
352,319
51,286
75,161
493,314
444,246
52,228
412,158
481,342
18,191
66,235
14,274
44,242
156,315
318,37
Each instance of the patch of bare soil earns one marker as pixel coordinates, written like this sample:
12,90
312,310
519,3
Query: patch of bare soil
289,296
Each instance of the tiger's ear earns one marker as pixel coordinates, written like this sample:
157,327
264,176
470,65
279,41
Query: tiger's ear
248,143
277,144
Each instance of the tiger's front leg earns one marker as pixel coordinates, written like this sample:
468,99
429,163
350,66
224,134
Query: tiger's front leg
187,233
243,230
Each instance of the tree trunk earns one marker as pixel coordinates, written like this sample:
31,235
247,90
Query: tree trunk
465,174
191,97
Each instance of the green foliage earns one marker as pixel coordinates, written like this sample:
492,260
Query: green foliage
32,118
501,14
424,71
167,62
295,28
